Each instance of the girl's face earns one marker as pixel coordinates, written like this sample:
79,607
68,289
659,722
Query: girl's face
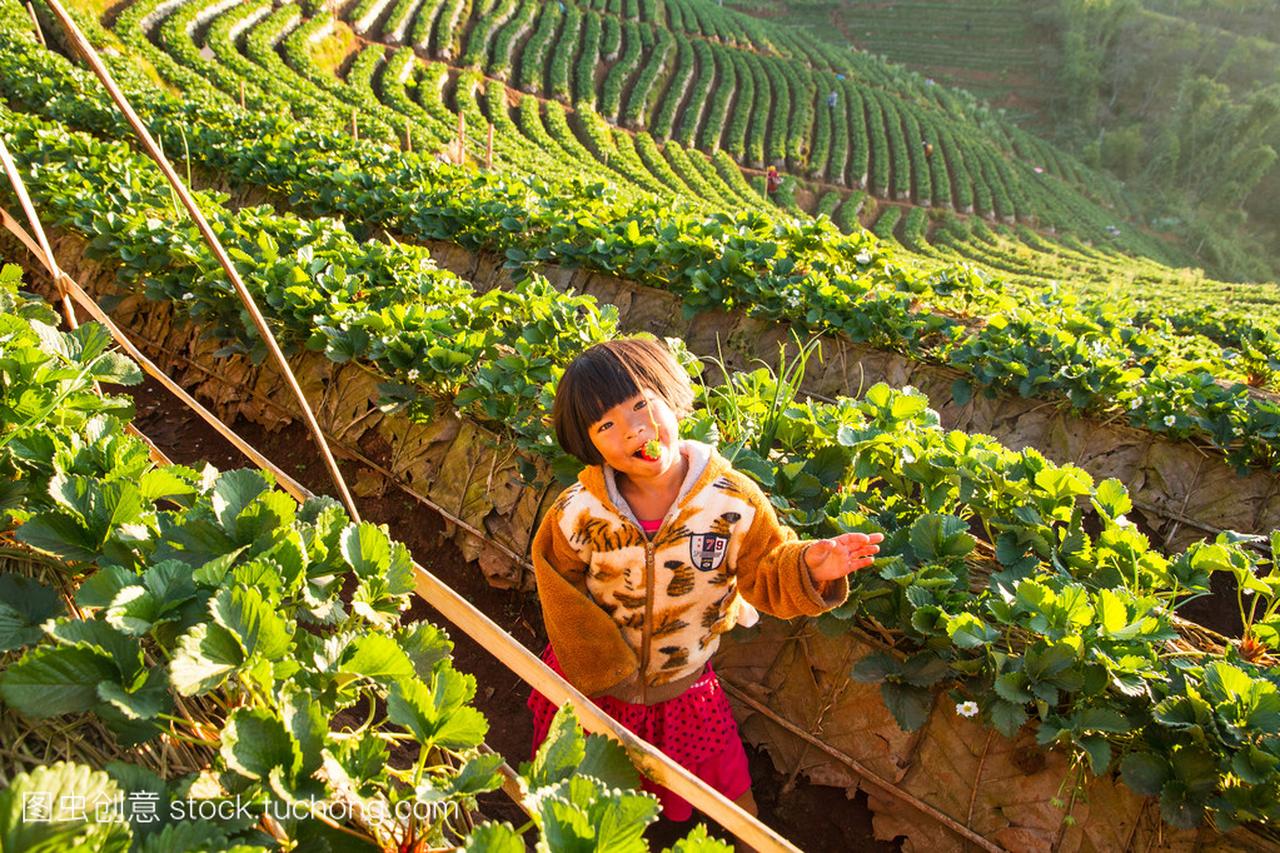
622,432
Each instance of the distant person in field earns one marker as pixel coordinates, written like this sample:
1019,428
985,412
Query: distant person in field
658,549
928,148
772,180
831,99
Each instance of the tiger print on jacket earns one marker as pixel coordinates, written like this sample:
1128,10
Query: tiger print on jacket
616,601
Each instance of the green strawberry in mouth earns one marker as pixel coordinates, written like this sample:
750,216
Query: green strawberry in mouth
652,449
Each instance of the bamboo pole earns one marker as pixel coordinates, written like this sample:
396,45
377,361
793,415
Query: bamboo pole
488,150
862,770
462,137
355,128
43,250
264,331
242,94
35,19
408,137
648,760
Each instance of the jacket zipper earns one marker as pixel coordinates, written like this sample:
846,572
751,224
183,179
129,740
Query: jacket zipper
648,620
649,573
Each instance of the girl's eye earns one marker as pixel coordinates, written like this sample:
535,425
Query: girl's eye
641,404
604,426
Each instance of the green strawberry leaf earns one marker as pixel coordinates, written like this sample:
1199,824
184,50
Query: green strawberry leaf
205,657
53,680
24,605
494,838
54,823
254,742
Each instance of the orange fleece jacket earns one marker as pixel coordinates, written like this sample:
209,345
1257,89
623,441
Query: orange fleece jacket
621,608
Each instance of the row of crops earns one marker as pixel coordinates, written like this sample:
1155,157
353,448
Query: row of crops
1240,317
1037,617
822,142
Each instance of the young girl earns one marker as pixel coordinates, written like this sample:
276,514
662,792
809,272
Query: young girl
657,550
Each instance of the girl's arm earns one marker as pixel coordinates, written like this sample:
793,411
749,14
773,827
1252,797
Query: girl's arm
591,650
772,572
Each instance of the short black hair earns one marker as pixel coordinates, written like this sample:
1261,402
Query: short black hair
609,373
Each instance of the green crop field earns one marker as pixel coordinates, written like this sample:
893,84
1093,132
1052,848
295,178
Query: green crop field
443,202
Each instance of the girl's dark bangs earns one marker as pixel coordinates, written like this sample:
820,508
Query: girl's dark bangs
601,382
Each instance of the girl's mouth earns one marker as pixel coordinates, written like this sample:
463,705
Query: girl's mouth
651,452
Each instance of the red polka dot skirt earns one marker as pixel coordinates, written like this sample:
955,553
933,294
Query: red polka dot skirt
695,729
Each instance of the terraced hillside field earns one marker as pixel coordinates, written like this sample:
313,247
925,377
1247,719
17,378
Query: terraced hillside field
974,166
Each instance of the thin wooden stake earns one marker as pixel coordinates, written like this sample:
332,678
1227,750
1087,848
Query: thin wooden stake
242,95
36,20
473,622
259,321
408,137
45,250
355,128
462,136
488,150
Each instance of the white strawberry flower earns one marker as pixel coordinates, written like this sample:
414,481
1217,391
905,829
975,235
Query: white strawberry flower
1170,420
967,709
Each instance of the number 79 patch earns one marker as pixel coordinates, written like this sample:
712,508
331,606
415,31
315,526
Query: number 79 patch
707,550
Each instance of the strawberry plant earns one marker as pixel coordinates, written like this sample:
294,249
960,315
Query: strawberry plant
762,106
532,63
623,68
685,132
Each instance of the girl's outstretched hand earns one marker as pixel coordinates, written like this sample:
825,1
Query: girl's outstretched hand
829,559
